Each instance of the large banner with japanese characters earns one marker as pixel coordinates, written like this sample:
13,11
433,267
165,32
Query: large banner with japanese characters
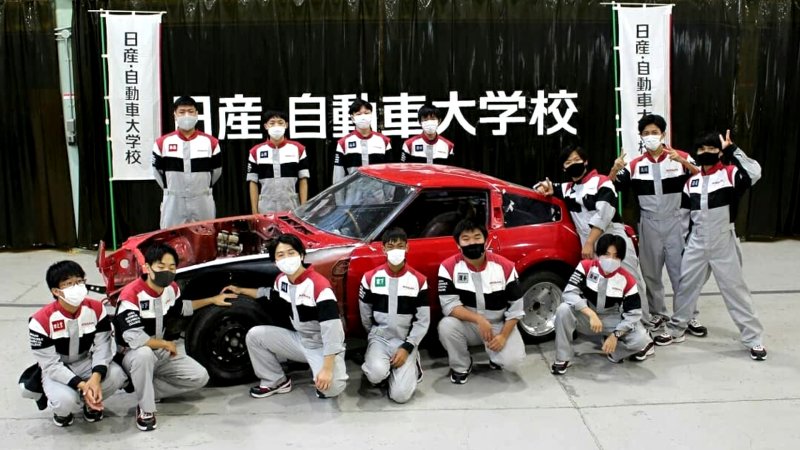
133,55
644,51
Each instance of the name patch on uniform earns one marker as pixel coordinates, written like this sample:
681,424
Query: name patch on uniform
695,183
644,169
351,144
461,277
144,304
58,325
594,276
418,148
380,282
284,286
172,148
264,154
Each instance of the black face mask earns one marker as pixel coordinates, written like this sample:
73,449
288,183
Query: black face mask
473,251
707,159
163,278
575,170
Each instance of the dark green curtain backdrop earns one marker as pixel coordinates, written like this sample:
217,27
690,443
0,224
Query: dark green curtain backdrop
735,64
35,193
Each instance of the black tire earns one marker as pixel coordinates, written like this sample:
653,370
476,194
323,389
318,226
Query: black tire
541,296
216,339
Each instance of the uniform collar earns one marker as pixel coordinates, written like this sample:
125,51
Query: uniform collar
68,314
392,274
429,141
191,136
589,174
148,290
714,168
661,157
271,144
303,276
361,136
473,268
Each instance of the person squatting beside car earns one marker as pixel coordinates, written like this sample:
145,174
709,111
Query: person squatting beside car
71,341
601,299
393,302
155,367
317,337
481,302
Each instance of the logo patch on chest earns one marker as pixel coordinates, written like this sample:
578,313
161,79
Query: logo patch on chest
462,278
172,148
694,183
418,148
594,276
380,282
58,325
643,170
284,286
351,144
144,304
264,154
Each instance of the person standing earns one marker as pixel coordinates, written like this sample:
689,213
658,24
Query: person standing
428,147
186,165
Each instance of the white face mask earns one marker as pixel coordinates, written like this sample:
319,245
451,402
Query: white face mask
430,126
363,121
609,264
289,265
396,256
186,122
651,142
276,132
74,295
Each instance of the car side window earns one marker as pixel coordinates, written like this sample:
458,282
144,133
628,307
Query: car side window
519,211
436,212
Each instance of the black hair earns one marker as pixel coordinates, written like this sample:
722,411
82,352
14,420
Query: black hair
608,240
156,252
652,119
184,101
357,104
429,110
290,240
274,113
708,138
566,151
394,234
467,225
63,271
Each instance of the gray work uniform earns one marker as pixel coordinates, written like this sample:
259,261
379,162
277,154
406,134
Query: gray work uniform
592,203
316,333
711,199
155,374
277,169
395,312
615,299
658,185
494,293
69,348
420,149
186,169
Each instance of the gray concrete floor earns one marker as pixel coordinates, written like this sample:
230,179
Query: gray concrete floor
701,394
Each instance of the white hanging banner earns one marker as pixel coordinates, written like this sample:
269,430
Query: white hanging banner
645,42
134,90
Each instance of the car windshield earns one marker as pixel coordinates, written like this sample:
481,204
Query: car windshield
356,207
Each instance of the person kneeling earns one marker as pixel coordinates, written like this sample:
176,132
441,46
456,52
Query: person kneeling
597,292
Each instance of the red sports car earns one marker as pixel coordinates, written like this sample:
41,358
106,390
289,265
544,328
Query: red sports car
341,228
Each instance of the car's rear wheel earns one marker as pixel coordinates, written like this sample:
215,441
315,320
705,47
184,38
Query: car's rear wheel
542,295
216,339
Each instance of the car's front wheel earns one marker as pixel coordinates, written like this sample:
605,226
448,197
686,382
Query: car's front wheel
541,296
216,339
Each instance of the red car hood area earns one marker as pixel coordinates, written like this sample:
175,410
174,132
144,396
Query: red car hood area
200,242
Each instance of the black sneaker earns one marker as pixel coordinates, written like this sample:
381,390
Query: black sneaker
261,391
648,350
460,378
667,339
559,367
695,329
92,415
419,371
320,394
145,421
494,366
63,421
656,321
758,353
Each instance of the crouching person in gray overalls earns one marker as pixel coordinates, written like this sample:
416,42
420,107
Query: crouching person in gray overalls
393,300
71,341
711,199
601,298
318,336
156,369
482,303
